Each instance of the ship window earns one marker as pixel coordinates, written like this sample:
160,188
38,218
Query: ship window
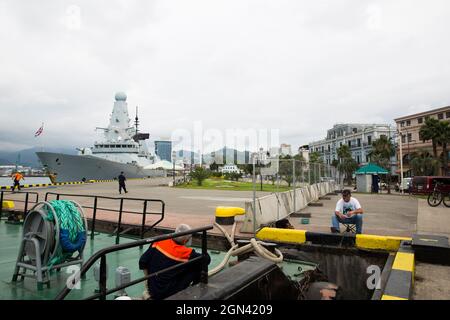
124,146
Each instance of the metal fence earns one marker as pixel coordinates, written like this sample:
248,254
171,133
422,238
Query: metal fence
280,176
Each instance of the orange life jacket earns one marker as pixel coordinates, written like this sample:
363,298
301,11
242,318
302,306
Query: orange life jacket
17,176
173,250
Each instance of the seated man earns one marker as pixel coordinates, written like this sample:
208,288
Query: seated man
348,211
167,253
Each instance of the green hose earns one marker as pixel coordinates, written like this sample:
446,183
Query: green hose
69,219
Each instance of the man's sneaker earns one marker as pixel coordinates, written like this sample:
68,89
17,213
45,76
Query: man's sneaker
334,230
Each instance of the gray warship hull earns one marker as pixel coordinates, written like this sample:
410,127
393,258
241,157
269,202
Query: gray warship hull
86,167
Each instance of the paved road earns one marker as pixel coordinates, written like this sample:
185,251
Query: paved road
383,215
177,200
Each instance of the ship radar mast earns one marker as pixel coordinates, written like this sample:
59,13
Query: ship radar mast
136,120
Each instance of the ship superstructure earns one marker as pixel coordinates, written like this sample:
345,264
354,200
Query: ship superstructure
122,148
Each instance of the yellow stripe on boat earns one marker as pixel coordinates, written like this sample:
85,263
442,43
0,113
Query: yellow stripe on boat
282,235
367,241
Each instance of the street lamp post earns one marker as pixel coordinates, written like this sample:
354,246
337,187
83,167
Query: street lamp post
173,161
401,160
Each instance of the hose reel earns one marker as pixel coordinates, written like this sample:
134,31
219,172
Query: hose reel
52,233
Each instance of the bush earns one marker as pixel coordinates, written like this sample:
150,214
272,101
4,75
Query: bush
200,174
216,174
233,176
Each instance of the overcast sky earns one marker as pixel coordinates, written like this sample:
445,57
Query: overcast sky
297,66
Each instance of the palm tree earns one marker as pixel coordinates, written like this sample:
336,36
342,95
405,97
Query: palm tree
347,164
423,164
382,151
430,131
443,139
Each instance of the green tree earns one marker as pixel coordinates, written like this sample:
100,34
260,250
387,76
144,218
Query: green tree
214,166
423,164
200,174
233,176
286,169
430,131
443,139
381,153
347,164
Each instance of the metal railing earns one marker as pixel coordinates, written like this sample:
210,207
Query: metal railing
27,200
101,254
95,207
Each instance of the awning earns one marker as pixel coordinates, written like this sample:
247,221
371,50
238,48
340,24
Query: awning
371,168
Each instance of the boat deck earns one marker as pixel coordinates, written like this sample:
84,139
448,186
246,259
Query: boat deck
11,235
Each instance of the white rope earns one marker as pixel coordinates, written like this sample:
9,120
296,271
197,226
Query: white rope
234,251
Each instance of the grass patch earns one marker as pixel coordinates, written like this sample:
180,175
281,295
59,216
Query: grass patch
220,184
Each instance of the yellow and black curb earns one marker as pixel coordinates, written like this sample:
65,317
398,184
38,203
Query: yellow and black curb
53,184
360,241
399,285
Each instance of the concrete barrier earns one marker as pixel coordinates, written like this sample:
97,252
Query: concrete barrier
274,207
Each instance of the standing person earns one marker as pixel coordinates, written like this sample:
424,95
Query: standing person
348,210
122,183
375,183
17,176
168,253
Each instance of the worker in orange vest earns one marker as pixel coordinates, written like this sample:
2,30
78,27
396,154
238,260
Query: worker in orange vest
17,177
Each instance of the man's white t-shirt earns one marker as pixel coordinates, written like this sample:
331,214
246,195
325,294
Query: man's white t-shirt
344,207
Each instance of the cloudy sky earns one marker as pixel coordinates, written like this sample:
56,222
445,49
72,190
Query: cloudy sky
296,66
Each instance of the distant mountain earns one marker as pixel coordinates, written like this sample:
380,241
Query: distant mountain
221,156
227,156
28,157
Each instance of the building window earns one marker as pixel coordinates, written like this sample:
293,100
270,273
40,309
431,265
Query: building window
369,140
349,144
408,122
402,124
383,136
367,158
447,114
419,120
403,138
409,137
440,116
359,142
329,148
358,160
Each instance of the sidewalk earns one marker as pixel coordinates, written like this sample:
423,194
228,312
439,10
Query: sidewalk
433,220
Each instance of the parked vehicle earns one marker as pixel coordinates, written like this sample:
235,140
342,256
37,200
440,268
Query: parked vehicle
426,184
405,185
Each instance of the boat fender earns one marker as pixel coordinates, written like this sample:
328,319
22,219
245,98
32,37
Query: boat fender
67,245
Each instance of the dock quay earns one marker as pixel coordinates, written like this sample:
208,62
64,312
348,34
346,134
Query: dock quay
391,225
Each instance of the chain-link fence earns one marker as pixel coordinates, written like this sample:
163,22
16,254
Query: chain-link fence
292,185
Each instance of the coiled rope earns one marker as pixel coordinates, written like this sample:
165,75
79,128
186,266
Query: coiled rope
72,229
254,245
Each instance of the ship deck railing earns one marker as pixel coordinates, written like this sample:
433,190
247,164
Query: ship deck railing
120,204
101,255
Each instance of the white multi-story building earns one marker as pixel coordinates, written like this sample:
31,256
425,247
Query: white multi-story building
230,168
358,137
